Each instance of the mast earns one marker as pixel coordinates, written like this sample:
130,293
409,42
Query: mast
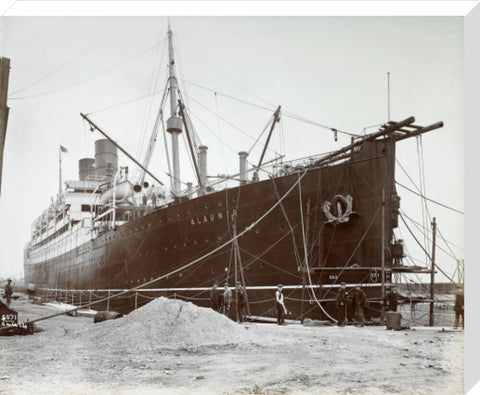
174,123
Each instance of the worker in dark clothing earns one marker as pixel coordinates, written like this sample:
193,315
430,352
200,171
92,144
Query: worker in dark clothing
226,300
359,301
215,297
281,309
342,295
8,292
391,300
459,308
241,302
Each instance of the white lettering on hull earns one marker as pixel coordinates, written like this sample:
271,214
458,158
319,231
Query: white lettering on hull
211,217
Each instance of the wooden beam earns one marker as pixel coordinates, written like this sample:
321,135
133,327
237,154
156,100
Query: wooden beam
4,110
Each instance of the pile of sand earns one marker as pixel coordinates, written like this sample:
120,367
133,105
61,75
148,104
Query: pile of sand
171,324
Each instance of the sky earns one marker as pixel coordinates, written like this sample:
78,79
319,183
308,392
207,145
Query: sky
330,70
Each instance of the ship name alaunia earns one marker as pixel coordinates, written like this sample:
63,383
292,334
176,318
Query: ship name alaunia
211,217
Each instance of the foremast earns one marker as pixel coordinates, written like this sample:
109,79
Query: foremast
174,123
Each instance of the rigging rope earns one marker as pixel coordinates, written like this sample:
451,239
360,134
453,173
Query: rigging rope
224,120
167,154
418,226
220,132
431,200
148,109
261,134
211,131
426,252
306,254
93,76
270,109
62,66
140,174
231,82
155,280
422,190
124,102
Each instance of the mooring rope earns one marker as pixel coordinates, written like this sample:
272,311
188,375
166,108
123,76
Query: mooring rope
306,254
247,229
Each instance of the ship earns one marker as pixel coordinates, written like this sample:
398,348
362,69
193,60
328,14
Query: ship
114,242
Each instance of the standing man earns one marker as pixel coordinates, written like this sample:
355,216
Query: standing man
342,295
241,302
359,301
281,310
8,292
215,297
227,300
459,308
392,300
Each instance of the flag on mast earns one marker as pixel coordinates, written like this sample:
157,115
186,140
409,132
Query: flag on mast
62,149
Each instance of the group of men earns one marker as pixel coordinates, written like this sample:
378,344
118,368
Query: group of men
359,300
222,301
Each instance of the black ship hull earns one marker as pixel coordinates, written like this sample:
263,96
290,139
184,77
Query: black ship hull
325,225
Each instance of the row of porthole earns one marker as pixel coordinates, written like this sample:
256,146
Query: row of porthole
151,278
175,246
213,271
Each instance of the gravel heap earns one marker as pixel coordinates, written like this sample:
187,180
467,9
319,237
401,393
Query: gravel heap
171,324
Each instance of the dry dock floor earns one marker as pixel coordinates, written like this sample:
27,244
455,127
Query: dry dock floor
283,359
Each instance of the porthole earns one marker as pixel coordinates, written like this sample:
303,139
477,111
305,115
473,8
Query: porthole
281,227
